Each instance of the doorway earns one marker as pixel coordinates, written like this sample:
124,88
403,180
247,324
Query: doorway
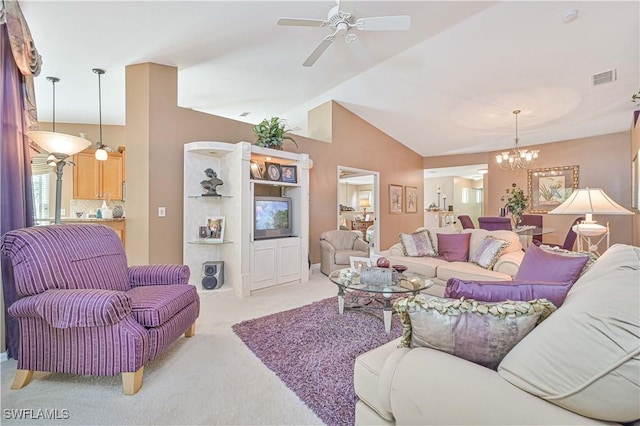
358,203
456,189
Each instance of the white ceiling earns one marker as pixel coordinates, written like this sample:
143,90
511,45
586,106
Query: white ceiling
447,86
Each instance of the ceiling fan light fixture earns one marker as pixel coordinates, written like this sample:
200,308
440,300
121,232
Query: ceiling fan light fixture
517,158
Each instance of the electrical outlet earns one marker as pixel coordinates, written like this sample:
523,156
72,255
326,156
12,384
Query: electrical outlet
63,212
162,211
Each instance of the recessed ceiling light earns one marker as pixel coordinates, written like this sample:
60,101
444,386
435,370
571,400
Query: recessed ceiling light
569,15
483,171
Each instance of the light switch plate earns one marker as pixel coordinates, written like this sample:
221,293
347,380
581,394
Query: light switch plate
162,211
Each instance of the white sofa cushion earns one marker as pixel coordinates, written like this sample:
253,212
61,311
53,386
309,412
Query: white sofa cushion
586,356
469,272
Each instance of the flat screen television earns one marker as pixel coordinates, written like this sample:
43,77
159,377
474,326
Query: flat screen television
272,217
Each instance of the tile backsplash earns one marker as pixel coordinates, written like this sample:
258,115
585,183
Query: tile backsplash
89,207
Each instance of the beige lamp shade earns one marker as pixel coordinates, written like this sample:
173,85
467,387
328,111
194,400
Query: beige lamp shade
589,201
364,202
58,143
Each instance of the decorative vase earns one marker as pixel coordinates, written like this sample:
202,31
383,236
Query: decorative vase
517,219
383,262
117,211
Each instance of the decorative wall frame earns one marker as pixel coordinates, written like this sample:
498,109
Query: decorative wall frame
411,199
551,186
395,199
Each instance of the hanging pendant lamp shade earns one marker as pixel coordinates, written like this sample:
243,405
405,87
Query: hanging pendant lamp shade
60,145
101,152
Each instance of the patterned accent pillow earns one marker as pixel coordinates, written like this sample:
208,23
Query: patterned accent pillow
476,331
489,251
417,244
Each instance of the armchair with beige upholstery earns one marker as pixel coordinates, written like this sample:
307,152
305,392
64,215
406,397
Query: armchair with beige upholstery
337,247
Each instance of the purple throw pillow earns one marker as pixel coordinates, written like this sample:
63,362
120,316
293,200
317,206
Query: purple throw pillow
541,265
454,247
498,291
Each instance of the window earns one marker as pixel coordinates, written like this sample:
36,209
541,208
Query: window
40,184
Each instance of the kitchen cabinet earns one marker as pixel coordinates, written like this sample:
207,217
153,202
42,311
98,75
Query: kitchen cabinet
93,179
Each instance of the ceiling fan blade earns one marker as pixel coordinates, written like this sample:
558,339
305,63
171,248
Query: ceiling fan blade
384,23
296,22
319,50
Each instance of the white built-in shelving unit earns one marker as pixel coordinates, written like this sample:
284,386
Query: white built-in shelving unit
249,264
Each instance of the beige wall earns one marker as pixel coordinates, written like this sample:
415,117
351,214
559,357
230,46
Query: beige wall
605,162
157,129
357,144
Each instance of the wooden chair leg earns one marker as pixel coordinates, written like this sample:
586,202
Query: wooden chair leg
191,331
22,379
132,382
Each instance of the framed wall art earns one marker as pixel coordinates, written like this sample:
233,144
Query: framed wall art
550,187
395,199
411,199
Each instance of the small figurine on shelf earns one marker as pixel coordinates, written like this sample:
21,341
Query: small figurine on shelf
211,184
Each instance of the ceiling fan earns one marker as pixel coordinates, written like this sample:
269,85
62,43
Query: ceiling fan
342,22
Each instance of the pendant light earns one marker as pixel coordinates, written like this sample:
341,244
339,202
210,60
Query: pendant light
517,158
101,151
60,146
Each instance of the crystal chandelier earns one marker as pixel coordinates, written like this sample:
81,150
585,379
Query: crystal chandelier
517,158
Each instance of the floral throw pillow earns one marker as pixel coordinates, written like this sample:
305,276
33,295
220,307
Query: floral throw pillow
489,251
480,332
417,244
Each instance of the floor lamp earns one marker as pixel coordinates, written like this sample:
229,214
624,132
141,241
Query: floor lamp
60,146
590,201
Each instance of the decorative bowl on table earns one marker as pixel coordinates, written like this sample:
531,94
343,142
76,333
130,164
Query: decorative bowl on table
399,268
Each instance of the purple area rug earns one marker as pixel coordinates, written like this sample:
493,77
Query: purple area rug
312,349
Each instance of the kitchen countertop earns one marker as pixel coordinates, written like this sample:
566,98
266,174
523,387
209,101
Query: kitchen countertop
83,219
91,219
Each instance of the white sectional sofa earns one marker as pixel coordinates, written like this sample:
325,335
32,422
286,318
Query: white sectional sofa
581,365
440,270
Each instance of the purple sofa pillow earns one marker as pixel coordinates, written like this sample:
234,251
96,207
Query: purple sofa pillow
541,265
454,247
497,291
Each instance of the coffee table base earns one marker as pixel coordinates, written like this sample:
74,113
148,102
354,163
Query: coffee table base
387,308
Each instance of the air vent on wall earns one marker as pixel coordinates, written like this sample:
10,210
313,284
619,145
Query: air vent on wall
603,77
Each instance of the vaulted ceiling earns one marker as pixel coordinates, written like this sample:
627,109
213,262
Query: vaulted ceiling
446,86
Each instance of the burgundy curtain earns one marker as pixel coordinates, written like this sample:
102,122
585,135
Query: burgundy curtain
16,200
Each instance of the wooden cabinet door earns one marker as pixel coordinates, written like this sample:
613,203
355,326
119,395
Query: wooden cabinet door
86,177
112,176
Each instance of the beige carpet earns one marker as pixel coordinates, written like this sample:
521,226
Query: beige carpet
211,378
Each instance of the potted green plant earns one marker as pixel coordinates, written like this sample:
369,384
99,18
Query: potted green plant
517,203
271,133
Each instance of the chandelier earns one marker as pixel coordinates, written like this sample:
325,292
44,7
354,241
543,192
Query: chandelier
517,158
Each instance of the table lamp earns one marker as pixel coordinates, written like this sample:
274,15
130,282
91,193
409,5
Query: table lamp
364,203
589,201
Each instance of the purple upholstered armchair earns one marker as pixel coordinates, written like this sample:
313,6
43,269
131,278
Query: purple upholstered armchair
82,310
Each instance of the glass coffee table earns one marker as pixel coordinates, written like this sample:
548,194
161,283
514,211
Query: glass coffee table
371,297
